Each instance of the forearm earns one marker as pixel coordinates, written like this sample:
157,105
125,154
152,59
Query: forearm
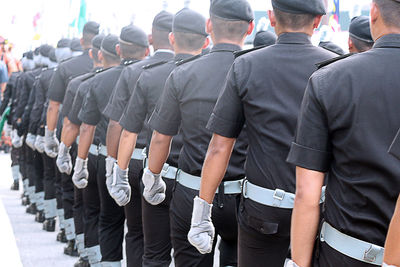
159,151
69,133
52,115
85,139
392,245
127,144
215,164
113,138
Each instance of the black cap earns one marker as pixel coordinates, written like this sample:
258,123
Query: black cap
64,42
109,43
96,41
52,54
163,21
189,21
36,51
330,46
314,7
75,45
132,35
232,10
264,38
45,49
29,55
91,27
360,29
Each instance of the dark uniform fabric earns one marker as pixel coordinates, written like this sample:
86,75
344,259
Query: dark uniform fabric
347,122
268,105
190,94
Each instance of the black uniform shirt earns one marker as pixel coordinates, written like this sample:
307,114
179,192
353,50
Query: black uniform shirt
97,97
148,91
190,94
264,90
8,92
349,116
70,68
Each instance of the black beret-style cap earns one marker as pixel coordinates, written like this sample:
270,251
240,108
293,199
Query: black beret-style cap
314,7
36,51
52,54
45,49
360,29
132,35
75,45
189,21
109,43
232,10
330,46
29,55
91,27
64,42
264,38
163,21
96,41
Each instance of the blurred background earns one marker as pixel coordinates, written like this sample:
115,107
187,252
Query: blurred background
28,23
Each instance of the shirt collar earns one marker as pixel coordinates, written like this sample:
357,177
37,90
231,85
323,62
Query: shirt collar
387,41
225,47
182,56
164,51
294,38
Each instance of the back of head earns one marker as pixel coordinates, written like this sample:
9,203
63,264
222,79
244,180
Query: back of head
90,30
266,38
390,12
76,47
331,46
63,50
189,28
162,26
360,33
133,42
96,46
27,61
230,19
109,50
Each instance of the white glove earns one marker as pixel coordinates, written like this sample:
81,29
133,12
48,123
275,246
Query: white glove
291,263
81,174
17,141
386,265
39,143
7,130
64,161
154,187
120,188
202,232
30,140
51,143
109,172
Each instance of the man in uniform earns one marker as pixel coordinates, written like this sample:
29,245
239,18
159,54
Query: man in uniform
133,44
360,39
73,67
268,105
190,94
265,38
347,121
162,24
187,40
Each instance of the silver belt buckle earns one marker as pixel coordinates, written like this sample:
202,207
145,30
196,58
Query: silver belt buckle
244,188
278,196
371,253
165,169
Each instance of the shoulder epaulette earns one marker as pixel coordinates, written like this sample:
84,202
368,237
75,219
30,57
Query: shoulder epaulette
183,61
129,62
242,52
332,60
91,75
149,66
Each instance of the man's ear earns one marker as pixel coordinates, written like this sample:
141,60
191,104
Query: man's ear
118,49
317,21
91,53
206,43
81,41
351,45
250,28
171,38
209,26
147,52
374,13
272,18
100,55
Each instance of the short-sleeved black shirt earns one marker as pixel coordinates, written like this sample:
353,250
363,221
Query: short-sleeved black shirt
97,97
190,94
148,91
65,71
264,90
349,116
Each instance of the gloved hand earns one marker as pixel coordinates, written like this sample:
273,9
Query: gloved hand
17,141
154,187
7,130
386,265
51,143
39,143
120,188
109,172
30,140
291,263
81,174
64,161
202,232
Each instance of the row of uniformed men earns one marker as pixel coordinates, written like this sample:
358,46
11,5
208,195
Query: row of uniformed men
243,110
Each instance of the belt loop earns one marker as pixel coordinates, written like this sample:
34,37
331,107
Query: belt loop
278,196
244,188
220,195
178,172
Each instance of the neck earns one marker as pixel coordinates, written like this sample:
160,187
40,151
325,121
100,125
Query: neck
308,31
227,41
189,52
158,47
97,64
387,31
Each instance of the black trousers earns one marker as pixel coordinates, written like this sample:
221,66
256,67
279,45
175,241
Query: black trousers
264,234
22,161
58,188
224,219
112,218
29,165
79,219
68,189
49,174
156,230
91,205
133,214
37,171
15,156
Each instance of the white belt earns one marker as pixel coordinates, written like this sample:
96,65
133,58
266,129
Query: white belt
138,153
167,171
94,150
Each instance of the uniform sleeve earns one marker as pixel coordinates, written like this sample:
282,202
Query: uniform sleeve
68,100
119,98
90,113
227,118
6,97
77,105
311,148
23,97
37,109
136,111
28,108
57,86
166,118
394,148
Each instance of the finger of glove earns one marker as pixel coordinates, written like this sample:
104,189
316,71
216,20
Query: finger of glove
80,183
156,199
121,198
201,241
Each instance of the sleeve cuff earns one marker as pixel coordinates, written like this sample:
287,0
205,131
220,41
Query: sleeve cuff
112,113
223,127
163,126
309,158
87,119
130,124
